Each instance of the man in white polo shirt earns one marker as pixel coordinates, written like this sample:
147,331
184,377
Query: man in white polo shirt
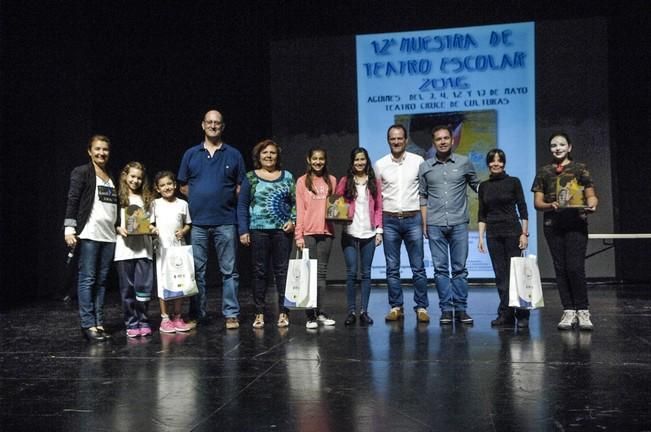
402,222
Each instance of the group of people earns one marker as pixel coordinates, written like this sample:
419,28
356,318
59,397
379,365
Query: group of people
403,199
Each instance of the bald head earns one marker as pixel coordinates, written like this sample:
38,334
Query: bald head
213,126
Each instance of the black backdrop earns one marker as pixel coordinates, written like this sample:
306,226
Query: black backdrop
144,73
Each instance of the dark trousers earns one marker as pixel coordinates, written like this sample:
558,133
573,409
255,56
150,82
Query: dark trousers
358,252
319,246
567,247
266,244
501,249
136,279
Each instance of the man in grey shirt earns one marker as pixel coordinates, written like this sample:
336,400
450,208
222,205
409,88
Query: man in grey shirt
443,180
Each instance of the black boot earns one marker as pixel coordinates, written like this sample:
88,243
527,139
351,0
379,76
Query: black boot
92,334
503,321
350,319
365,319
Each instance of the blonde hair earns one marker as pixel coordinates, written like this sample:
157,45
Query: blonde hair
145,190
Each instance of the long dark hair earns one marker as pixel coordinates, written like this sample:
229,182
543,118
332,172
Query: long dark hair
350,193
309,184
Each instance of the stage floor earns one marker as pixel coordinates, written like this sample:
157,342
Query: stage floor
387,377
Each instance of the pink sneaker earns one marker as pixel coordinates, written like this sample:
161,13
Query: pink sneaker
180,325
132,333
145,331
167,326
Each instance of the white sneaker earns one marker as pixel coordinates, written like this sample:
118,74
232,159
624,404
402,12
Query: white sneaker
584,319
311,324
568,321
283,320
323,319
259,321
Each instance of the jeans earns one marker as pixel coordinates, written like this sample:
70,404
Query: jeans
568,247
501,249
449,248
409,230
95,260
319,246
136,277
276,244
224,241
350,246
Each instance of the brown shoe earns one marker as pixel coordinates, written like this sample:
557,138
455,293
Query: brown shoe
232,323
422,315
395,314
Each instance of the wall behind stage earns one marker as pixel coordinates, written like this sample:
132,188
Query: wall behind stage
145,72
314,103
77,68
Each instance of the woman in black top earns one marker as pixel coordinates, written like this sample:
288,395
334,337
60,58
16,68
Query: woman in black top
506,232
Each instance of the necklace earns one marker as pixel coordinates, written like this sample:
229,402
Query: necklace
361,182
103,176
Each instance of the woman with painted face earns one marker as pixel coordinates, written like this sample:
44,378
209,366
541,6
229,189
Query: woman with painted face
506,231
564,192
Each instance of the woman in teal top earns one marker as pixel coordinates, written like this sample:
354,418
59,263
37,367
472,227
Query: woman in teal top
266,214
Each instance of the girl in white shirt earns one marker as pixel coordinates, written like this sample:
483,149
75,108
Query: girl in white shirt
172,218
133,249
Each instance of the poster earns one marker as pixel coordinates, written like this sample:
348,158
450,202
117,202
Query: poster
478,80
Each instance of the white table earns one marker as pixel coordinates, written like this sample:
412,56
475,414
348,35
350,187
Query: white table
609,240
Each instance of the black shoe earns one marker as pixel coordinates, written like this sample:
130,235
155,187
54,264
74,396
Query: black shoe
523,323
196,322
92,335
463,317
502,320
364,319
104,333
350,319
446,317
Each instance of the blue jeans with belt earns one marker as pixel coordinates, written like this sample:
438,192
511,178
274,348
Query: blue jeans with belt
408,229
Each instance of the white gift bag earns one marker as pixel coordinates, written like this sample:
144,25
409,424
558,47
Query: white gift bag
525,287
175,272
301,289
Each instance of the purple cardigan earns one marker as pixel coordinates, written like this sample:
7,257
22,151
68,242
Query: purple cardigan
374,204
